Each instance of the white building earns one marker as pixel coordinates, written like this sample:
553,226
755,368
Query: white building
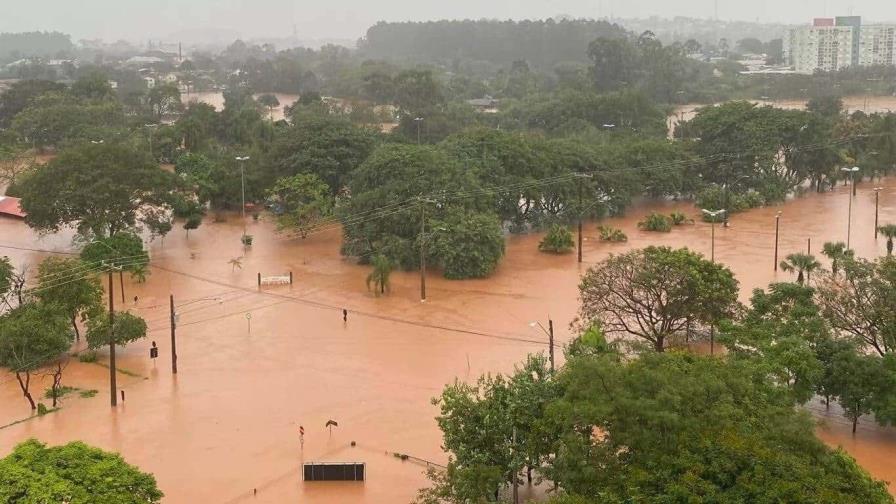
834,44
877,45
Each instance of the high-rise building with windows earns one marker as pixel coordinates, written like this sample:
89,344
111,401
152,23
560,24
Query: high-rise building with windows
831,44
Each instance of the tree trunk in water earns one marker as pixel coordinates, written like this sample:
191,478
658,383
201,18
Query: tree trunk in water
24,385
855,422
827,403
382,287
75,326
57,382
529,474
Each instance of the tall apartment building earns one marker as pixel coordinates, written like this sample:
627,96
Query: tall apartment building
831,44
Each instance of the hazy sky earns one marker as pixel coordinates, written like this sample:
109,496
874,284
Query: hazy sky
141,19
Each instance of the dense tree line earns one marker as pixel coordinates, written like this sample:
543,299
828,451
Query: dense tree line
14,46
542,43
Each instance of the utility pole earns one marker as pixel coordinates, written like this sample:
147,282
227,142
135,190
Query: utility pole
112,383
852,177
551,342
581,175
877,191
777,229
121,284
173,337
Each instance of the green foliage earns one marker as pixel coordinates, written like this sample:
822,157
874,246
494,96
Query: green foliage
326,146
57,119
6,275
859,303
401,173
681,427
74,473
782,333
678,219
889,232
128,328
70,285
300,203
653,294
17,97
87,357
164,100
123,251
558,240
59,393
837,253
379,276
657,223
466,244
98,189
611,234
478,421
31,336
246,240
87,394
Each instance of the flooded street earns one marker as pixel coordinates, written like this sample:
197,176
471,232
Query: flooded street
255,364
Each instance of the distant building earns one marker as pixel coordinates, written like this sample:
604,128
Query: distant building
831,44
486,104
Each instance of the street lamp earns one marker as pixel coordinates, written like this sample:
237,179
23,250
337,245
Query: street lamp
852,179
242,160
419,121
151,127
777,228
877,191
712,216
550,333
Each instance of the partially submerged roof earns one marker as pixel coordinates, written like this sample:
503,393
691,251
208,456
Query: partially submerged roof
11,206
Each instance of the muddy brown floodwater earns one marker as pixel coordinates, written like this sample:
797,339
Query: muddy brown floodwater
228,423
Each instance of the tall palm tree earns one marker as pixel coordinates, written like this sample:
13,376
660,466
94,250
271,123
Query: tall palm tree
889,231
379,277
803,264
837,253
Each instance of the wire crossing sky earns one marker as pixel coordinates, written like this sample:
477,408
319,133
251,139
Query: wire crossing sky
138,20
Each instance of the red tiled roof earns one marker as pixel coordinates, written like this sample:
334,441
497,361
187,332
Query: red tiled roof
10,206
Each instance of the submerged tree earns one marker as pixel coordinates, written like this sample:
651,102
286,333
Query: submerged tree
837,253
655,293
558,240
72,286
889,231
31,336
802,264
379,276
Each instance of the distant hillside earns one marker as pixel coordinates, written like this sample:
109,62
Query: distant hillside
541,43
14,46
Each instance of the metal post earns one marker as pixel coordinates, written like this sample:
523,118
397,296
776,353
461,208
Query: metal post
422,251
876,210
777,229
243,188
713,246
112,383
173,337
551,342
849,224
580,223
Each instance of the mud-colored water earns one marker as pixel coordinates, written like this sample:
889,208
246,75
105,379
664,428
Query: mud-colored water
216,99
227,424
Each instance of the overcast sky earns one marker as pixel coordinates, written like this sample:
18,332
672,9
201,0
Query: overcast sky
138,20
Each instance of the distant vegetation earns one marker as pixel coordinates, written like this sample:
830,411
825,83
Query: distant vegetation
14,46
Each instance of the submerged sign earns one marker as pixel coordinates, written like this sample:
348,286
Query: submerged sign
333,471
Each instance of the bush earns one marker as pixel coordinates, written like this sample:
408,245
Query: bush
657,223
42,409
559,240
87,357
60,392
246,239
612,234
87,394
467,244
679,218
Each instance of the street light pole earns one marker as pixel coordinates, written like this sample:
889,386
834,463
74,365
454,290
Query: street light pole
712,215
877,191
852,178
418,120
242,160
112,377
777,229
